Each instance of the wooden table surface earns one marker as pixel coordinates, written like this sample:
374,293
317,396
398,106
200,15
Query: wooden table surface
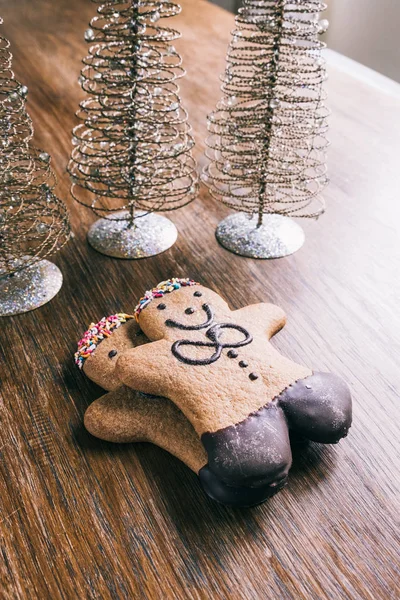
85,519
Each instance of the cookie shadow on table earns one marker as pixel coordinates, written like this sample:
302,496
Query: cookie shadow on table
208,528
204,526
82,392
312,463
191,509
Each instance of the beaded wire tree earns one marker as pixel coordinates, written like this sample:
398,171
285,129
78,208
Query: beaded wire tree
33,221
267,138
132,151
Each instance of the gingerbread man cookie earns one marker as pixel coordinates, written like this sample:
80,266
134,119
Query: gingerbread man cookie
240,395
124,415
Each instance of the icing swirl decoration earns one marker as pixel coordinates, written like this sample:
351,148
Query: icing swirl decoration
213,333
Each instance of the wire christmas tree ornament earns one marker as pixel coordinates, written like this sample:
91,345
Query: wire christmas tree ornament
33,221
267,136
132,151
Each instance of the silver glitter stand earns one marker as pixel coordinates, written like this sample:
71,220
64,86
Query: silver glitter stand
150,235
30,288
278,236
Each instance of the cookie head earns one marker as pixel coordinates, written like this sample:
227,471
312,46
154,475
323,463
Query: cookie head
178,302
102,345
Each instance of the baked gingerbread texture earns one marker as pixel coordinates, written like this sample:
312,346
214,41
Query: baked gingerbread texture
205,383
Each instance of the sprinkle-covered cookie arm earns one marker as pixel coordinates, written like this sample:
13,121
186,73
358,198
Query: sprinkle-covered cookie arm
149,369
268,317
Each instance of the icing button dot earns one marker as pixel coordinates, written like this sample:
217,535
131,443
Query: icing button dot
253,376
162,306
197,294
112,353
232,354
189,311
243,364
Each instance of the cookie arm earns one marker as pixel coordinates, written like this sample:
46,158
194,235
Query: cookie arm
269,317
148,369
125,416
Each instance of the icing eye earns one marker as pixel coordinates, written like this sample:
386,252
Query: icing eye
197,294
112,353
189,311
162,306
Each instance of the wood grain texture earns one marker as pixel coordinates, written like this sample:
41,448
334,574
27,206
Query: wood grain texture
89,520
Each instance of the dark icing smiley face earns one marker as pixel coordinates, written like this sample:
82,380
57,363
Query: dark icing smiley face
208,319
190,310
177,306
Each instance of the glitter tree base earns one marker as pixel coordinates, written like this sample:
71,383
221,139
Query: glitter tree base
277,237
30,288
150,235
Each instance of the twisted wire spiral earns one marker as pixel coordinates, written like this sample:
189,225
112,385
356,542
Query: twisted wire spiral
133,147
267,136
33,221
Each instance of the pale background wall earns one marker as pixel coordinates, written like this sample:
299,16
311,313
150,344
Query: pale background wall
366,30
228,4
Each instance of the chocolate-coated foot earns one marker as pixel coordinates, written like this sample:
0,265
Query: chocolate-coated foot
318,408
235,496
253,453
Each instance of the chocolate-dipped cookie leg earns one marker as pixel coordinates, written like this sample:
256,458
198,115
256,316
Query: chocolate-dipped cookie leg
318,407
236,496
125,416
255,452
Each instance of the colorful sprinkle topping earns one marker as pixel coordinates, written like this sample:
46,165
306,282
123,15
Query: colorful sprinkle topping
165,287
96,334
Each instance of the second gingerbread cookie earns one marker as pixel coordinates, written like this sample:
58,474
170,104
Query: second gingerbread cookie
241,396
124,415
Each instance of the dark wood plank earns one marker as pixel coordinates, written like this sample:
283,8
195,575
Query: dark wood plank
85,519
